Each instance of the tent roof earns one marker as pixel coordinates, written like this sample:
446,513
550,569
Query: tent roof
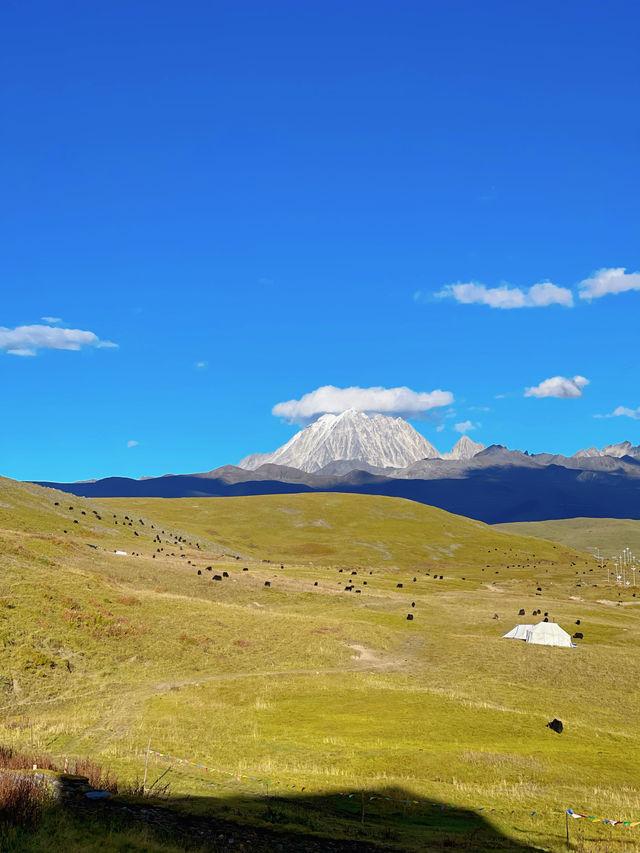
548,634
517,633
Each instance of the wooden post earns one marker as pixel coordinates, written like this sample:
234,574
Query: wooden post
566,819
362,813
31,727
146,767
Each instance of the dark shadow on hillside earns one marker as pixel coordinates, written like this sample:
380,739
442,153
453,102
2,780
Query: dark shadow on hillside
494,493
361,823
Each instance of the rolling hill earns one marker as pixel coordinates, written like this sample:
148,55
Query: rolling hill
318,685
604,536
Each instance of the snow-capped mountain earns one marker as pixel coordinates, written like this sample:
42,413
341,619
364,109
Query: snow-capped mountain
380,440
625,448
464,448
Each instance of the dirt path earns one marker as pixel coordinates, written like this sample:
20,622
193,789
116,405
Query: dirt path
363,661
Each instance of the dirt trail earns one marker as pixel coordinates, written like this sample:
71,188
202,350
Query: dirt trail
365,660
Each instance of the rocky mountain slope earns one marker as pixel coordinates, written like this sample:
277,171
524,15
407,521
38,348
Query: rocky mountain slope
381,441
625,448
355,440
464,448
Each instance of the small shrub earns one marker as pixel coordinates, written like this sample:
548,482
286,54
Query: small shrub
129,600
22,798
99,778
11,760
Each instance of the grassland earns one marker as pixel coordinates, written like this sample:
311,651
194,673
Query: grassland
604,536
305,685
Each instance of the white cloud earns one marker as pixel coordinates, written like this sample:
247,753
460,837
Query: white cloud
440,427
51,319
614,280
465,426
133,443
27,340
200,364
389,401
622,411
558,386
538,296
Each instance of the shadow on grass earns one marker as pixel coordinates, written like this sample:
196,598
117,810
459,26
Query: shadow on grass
310,823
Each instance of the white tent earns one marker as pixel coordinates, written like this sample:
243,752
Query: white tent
518,633
548,634
542,634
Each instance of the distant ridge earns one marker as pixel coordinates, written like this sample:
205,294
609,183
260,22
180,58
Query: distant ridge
496,485
358,453
625,448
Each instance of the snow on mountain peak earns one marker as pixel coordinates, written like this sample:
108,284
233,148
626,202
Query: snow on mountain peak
382,441
379,440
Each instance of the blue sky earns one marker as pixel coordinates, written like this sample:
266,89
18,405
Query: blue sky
254,200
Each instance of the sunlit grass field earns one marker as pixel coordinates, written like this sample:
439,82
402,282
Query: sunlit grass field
305,685
604,536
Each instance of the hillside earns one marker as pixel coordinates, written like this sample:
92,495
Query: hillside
307,690
606,536
338,529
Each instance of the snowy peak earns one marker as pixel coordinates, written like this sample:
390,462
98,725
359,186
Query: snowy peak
464,448
381,441
625,448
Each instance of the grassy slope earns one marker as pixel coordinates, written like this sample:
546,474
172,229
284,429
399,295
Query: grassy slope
103,651
339,529
609,535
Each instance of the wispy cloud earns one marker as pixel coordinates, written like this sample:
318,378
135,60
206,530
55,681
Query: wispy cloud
604,281
389,401
624,412
558,386
200,365
538,296
133,443
541,295
27,340
465,427
51,319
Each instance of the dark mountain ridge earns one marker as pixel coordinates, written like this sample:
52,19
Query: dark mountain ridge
495,485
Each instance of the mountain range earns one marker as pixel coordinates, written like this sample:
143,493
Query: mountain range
355,452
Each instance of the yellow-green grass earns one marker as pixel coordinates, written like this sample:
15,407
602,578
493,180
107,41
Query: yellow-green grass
311,686
604,536
59,831
339,529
